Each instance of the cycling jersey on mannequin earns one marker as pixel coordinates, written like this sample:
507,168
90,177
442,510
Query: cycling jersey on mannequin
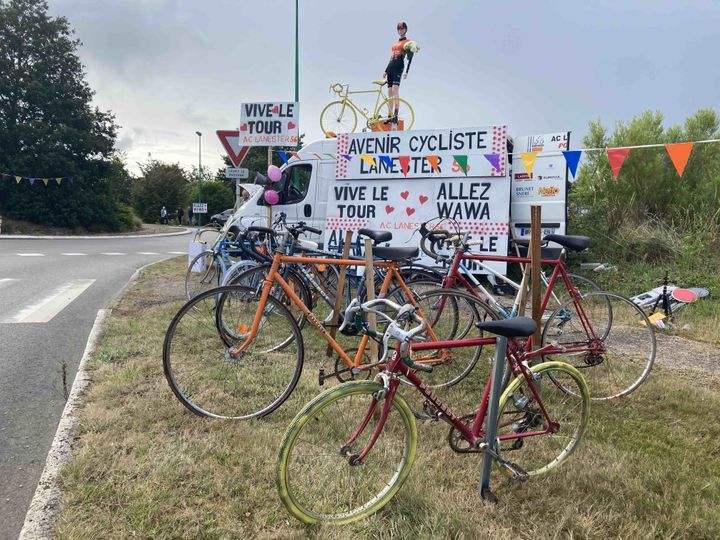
396,65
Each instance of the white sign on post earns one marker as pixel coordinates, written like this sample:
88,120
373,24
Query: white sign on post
546,185
407,178
236,172
269,124
199,208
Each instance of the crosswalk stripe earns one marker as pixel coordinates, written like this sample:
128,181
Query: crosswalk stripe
74,254
31,254
112,253
148,253
177,252
53,304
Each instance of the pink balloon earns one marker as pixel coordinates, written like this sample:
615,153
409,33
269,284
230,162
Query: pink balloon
274,173
272,197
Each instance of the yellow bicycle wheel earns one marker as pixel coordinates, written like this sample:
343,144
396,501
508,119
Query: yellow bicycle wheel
338,117
406,115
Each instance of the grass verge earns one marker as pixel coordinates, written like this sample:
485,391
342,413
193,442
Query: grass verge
144,466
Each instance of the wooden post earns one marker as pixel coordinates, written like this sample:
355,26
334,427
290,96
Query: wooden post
370,295
269,206
337,306
535,258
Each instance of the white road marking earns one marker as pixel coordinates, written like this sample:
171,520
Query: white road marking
6,281
112,253
148,253
47,308
177,252
31,254
74,254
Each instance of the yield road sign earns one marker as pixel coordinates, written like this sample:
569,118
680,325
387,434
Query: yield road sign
230,139
234,172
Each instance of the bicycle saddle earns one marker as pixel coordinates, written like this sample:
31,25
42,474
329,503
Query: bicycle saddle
395,253
376,236
573,243
516,327
380,82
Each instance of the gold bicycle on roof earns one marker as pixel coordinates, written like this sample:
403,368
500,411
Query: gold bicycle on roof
341,116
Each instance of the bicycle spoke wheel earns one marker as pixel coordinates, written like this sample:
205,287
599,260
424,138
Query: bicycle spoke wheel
201,274
315,476
209,381
528,437
253,278
406,115
453,315
338,117
621,357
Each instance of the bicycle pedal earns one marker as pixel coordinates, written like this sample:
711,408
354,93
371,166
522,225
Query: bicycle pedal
516,471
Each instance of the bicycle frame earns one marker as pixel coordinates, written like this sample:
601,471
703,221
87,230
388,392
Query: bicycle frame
347,101
474,434
454,276
274,276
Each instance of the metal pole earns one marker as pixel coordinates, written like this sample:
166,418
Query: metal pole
198,216
297,63
492,417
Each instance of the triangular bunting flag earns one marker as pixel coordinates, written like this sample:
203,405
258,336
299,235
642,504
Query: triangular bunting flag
494,160
32,181
572,157
283,156
434,162
58,180
296,155
679,154
369,160
462,163
405,164
528,161
45,181
347,156
18,179
617,157
387,161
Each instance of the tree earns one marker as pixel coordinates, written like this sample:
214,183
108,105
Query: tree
161,185
50,128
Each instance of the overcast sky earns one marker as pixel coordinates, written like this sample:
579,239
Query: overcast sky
169,68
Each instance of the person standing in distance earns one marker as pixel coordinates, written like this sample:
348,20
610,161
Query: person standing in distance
394,71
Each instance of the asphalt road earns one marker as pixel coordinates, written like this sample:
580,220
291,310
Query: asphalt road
50,293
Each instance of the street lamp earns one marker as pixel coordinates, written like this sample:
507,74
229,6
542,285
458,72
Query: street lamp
199,178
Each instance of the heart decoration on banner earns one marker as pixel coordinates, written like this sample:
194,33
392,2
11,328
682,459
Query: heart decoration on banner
389,209
291,125
410,211
276,110
405,194
423,199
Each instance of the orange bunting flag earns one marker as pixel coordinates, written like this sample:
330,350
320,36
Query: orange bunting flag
369,160
45,181
679,154
617,157
434,162
528,161
404,164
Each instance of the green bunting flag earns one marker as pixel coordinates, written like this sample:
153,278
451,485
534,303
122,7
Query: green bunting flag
462,163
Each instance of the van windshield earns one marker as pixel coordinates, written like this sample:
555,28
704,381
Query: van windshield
293,186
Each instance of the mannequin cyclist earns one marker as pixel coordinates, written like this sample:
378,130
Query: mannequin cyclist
394,70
